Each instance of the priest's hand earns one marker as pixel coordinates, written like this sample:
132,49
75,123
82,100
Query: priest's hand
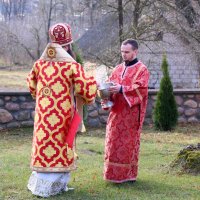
115,88
103,102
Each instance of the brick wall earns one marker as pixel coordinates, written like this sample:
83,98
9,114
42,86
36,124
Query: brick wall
184,67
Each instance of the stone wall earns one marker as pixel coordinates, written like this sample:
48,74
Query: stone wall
17,109
188,103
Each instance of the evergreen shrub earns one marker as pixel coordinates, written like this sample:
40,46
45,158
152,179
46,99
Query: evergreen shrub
165,113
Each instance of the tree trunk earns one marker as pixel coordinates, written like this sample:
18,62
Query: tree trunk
136,14
187,10
49,19
120,17
91,7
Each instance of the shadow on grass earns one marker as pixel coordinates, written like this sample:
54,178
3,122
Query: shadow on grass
151,188
141,189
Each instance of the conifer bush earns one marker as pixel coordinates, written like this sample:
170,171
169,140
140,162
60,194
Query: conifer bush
79,60
165,113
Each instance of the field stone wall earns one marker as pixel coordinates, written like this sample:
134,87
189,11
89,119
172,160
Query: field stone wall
17,109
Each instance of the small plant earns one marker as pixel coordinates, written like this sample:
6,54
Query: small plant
165,113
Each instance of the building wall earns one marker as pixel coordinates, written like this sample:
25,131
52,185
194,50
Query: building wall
184,68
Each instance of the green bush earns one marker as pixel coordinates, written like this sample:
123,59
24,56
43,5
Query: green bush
77,54
165,113
79,59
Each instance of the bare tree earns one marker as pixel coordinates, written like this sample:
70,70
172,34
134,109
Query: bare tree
13,9
139,19
145,20
16,50
26,24
45,11
185,23
6,9
186,9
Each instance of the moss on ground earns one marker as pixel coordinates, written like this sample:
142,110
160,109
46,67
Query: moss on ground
188,160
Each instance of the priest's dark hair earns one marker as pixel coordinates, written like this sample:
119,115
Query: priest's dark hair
132,42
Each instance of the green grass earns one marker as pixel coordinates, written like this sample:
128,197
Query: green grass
15,79
12,80
155,180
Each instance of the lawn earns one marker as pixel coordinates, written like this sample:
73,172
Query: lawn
13,80
155,180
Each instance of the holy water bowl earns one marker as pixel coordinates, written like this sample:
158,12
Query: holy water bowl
103,91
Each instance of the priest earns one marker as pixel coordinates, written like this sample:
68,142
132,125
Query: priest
129,93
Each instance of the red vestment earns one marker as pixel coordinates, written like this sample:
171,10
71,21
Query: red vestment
125,123
54,80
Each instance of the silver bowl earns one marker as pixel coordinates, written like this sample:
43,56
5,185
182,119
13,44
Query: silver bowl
103,92
103,89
